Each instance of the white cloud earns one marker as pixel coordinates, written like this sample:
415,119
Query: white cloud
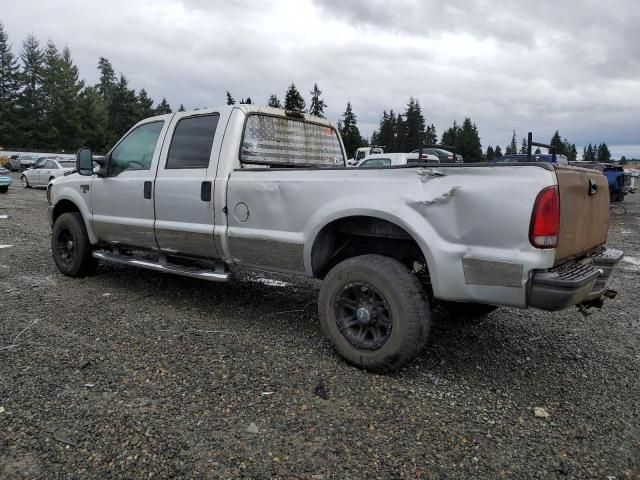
541,66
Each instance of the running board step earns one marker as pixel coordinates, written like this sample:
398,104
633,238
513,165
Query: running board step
209,275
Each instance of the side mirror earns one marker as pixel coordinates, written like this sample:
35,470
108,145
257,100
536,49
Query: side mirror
84,162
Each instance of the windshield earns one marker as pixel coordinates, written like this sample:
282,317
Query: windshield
272,140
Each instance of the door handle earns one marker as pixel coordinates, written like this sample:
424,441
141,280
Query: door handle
147,189
205,191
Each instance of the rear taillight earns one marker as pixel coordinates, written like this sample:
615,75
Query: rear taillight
545,220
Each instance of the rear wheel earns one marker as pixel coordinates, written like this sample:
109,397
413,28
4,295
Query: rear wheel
70,246
4,189
374,312
24,182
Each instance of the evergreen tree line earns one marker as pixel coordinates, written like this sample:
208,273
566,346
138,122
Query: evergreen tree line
407,131
293,100
44,105
598,153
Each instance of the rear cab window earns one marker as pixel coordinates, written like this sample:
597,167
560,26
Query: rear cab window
271,140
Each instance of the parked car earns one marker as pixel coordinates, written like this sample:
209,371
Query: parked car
363,152
619,181
5,180
445,156
193,193
45,171
17,163
537,157
396,159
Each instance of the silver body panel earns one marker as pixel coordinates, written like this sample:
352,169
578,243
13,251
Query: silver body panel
471,222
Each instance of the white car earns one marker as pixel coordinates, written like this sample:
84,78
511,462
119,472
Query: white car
397,159
41,175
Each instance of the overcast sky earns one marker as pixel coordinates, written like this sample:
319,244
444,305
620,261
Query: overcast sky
541,66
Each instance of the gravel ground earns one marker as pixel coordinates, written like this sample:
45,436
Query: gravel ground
135,374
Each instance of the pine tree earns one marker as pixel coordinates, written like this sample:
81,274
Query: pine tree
414,125
556,142
145,105
623,160
400,132
348,129
491,154
182,109
386,133
163,107
293,100
122,110
538,151
51,89
93,120
451,135
230,99
9,87
31,100
512,148
246,101
604,155
317,104
588,154
498,151
524,146
469,145
70,87
107,79
431,136
274,102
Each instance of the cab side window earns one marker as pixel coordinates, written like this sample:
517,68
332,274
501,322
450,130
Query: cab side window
192,141
135,151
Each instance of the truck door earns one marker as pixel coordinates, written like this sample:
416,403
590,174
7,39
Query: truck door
184,185
122,200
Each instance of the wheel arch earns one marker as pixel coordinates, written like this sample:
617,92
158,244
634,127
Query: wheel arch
354,234
67,205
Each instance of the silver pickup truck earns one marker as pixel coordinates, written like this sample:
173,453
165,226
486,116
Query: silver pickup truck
195,193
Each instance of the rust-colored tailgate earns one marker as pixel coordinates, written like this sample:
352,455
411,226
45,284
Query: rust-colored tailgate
584,218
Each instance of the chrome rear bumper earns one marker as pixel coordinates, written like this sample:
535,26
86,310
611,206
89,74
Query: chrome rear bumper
574,282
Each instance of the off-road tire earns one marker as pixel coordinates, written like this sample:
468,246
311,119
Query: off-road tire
407,304
73,260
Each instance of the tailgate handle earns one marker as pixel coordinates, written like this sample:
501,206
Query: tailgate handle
205,191
147,189
593,187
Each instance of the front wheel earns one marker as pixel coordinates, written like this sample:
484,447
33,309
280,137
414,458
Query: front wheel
374,312
24,182
70,246
4,189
